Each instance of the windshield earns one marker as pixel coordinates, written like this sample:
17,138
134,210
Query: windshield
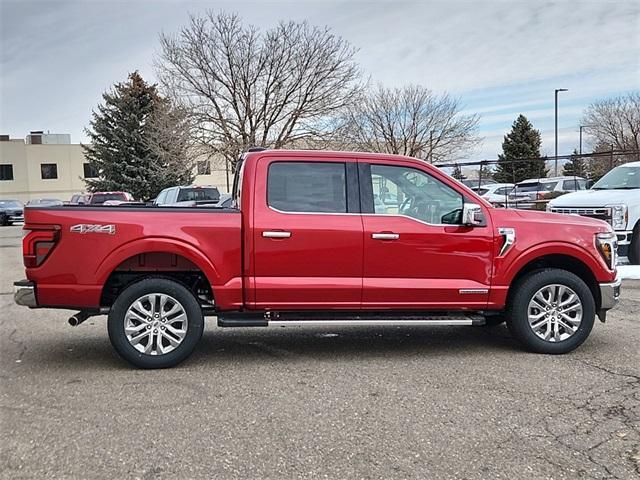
103,197
198,194
621,178
10,204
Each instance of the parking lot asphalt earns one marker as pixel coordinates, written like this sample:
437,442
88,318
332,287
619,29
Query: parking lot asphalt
353,402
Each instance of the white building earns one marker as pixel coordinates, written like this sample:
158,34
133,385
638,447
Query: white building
45,165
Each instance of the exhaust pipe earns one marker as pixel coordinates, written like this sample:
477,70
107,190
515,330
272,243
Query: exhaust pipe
81,316
78,318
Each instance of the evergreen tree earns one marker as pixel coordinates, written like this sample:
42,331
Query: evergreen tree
457,173
522,142
129,146
575,166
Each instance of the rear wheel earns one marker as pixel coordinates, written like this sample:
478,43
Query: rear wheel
155,323
551,311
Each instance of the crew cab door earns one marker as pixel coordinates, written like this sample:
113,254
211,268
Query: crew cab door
307,234
416,252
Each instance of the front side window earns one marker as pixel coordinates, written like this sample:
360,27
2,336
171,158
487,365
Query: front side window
49,171
411,192
315,187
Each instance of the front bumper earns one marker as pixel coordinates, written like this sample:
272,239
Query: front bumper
25,293
610,294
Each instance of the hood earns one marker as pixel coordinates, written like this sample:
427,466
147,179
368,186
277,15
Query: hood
596,198
534,217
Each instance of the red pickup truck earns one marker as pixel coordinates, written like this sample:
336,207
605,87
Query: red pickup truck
329,238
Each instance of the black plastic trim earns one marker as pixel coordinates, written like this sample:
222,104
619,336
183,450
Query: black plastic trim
366,188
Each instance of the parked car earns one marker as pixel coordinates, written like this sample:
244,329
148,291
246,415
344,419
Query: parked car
471,183
496,193
225,201
11,211
79,199
187,196
44,202
98,198
615,198
304,247
526,193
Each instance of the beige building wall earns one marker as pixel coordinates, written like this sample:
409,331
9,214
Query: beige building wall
27,183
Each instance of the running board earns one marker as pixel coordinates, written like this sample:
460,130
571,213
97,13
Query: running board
285,319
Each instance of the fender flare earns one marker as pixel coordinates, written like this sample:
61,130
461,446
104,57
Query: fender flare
160,245
551,248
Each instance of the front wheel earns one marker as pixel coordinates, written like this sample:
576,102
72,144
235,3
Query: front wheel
634,248
551,311
155,323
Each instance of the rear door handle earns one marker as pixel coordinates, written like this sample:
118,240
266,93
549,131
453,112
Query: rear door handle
276,234
385,236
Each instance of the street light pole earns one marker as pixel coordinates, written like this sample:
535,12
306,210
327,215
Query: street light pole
556,112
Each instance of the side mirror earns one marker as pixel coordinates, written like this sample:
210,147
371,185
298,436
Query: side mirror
472,215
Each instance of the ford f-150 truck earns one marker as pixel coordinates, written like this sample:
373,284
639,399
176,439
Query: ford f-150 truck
615,198
321,238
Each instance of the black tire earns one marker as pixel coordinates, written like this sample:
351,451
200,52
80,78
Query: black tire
517,310
194,324
634,248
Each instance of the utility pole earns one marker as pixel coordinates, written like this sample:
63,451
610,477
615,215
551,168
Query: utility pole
556,112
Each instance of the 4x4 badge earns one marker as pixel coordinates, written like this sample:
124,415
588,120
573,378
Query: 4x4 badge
93,228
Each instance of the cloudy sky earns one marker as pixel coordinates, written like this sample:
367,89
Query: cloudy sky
501,58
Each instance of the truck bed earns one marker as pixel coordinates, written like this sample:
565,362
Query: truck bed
107,239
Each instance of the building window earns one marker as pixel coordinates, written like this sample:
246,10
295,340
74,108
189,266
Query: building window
204,167
6,172
90,171
49,171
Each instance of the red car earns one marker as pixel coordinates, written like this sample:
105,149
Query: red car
326,238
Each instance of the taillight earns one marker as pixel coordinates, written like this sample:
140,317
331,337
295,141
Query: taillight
540,196
38,243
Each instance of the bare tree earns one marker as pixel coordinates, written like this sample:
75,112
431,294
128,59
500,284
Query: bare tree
249,88
616,121
410,121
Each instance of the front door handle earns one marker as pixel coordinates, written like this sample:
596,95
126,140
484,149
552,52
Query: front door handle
276,234
385,236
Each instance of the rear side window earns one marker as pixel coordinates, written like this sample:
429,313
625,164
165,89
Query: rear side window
481,191
548,186
307,187
573,184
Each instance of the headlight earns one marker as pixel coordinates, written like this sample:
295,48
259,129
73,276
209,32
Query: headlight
619,216
607,244
548,206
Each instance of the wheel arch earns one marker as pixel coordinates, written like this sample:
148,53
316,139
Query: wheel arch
164,258
560,261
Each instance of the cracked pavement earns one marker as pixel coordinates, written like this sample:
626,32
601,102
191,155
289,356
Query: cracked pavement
353,402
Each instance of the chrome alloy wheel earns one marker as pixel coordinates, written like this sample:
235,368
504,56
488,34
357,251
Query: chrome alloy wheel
555,313
155,324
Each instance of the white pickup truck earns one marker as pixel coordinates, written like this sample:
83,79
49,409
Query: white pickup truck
614,198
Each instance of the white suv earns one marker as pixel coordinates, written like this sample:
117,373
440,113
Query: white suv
615,198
